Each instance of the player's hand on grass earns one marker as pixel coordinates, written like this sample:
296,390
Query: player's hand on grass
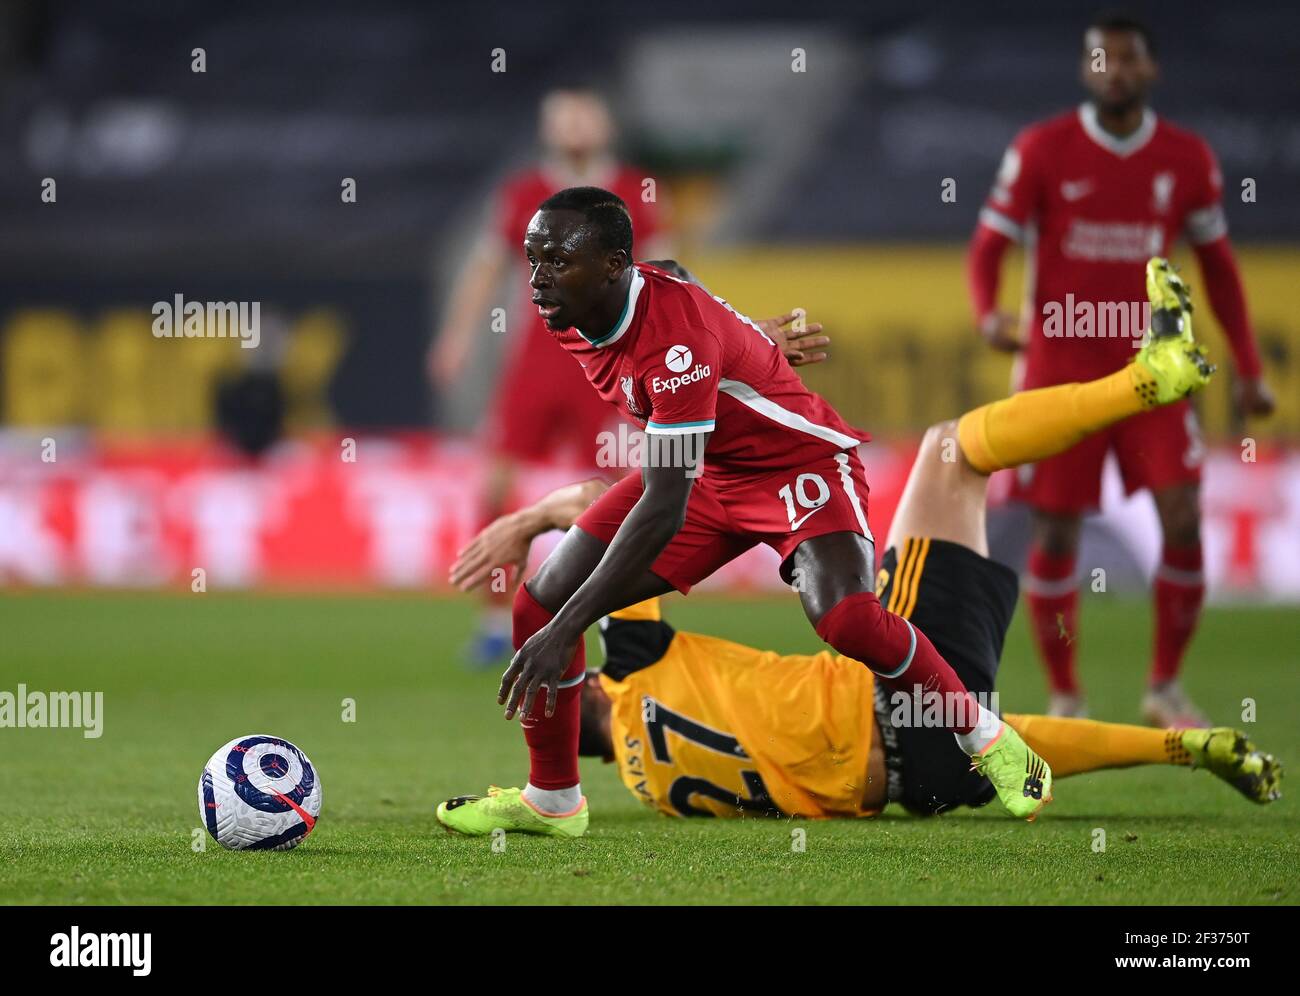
504,543
1002,331
1253,397
801,342
539,663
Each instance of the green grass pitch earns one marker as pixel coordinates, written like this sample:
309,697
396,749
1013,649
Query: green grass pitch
111,820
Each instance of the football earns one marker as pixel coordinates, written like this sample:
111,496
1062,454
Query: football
259,793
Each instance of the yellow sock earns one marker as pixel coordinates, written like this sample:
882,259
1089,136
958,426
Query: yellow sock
649,609
1072,746
1033,425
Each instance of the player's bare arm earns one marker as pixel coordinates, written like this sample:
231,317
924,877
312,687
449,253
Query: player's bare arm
1001,330
450,349
944,498
506,540
617,580
1251,395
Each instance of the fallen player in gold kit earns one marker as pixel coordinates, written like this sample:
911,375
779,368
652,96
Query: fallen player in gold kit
703,726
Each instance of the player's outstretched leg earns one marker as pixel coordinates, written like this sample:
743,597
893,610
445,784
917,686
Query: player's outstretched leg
902,657
552,801
1034,425
1176,365
557,807
1076,746
1229,754
834,568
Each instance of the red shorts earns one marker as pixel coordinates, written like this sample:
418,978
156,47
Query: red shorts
545,411
726,518
1155,450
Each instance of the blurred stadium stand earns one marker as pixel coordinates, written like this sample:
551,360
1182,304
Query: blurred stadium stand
944,92
160,159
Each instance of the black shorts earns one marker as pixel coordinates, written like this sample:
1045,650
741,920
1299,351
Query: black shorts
963,602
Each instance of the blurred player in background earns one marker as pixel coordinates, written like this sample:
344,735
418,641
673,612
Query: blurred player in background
706,727
1096,191
543,410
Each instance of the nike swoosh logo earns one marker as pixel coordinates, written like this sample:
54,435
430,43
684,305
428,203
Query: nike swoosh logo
303,815
1074,191
799,522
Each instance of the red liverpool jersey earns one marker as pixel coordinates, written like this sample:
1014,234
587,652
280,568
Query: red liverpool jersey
680,361
1092,209
532,352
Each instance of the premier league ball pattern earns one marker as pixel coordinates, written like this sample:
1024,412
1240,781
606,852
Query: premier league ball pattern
259,793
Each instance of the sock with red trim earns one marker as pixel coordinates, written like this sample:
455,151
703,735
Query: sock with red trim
552,742
1052,597
1179,593
898,653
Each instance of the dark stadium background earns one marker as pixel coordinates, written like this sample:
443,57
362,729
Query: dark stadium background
819,189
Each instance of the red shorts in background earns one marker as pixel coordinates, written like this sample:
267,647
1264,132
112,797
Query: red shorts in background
544,411
1155,450
725,517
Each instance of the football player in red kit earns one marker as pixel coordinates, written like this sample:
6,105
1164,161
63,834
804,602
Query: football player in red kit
779,467
542,409
1093,193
